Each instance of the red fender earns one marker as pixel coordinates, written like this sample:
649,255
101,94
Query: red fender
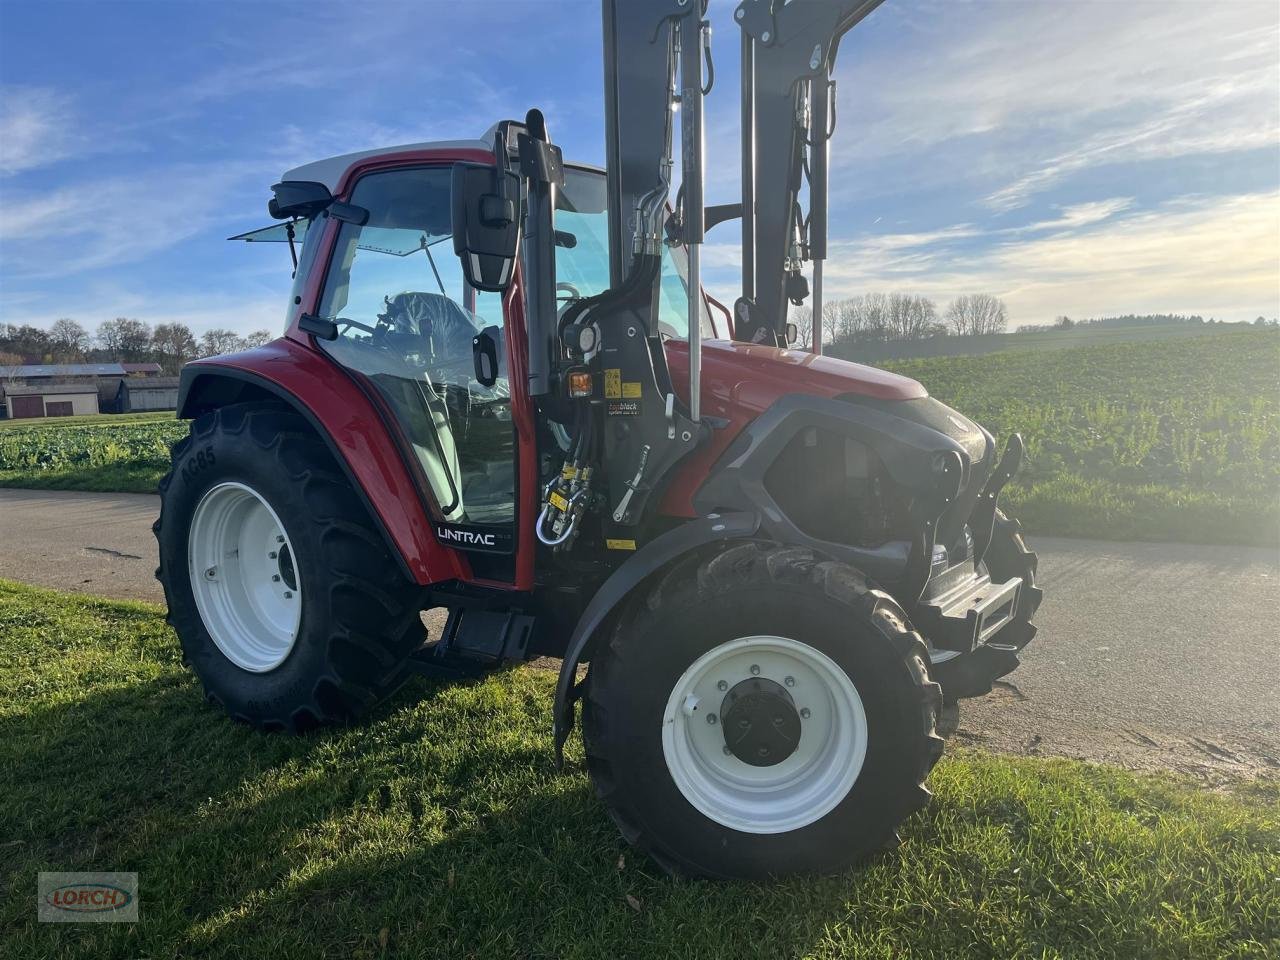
355,431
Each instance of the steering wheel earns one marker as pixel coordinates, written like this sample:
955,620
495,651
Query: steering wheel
574,292
344,322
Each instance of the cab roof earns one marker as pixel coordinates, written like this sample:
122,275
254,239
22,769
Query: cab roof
331,170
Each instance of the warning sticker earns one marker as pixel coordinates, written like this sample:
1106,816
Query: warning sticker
557,501
631,391
620,544
613,384
624,408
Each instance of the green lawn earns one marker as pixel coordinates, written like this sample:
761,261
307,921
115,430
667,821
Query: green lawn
439,829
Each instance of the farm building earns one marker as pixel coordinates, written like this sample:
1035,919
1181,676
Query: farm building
31,372
139,394
51,400
142,369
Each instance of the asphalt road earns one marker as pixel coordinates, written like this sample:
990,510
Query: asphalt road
1149,655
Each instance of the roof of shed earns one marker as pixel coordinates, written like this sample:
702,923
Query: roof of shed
46,389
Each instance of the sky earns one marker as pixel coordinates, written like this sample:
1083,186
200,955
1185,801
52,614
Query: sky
1072,157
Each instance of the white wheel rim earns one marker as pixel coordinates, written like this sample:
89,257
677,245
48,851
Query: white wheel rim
804,787
244,576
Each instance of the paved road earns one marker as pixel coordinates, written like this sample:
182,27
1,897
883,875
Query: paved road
1150,655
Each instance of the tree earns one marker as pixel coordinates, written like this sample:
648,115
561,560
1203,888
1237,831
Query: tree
864,317
909,317
830,323
10,363
28,342
173,345
216,342
127,341
977,313
259,338
802,317
68,341
1064,322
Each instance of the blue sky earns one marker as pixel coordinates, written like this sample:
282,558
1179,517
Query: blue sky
1084,158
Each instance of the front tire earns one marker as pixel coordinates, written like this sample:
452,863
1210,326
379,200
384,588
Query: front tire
838,743
287,603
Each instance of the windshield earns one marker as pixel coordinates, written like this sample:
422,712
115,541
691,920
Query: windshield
582,254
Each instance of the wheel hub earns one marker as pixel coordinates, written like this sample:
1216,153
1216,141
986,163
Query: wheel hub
760,722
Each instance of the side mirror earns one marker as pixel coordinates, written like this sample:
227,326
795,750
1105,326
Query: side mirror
486,224
792,333
484,351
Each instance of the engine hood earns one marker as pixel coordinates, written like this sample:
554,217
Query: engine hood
742,380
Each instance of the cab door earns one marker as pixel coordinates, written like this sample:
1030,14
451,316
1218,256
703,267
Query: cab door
406,320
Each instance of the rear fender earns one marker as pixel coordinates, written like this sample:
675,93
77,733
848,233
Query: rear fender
622,583
346,419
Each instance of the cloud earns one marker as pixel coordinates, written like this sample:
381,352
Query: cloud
1078,215
1025,95
37,127
116,220
1212,256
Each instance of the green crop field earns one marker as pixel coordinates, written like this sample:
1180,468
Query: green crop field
439,828
129,452
1173,439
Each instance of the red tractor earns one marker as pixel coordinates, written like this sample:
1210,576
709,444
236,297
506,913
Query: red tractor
501,391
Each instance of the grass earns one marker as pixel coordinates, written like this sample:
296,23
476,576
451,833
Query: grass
439,829
1172,440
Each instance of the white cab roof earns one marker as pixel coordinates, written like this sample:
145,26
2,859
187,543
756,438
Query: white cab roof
330,171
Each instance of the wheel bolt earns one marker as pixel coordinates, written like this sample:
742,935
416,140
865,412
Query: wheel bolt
804,713
211,573
711,719
279,539
722,685
272,555
288,594
755,670
790,681
275,578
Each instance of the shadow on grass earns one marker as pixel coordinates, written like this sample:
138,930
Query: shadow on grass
438,828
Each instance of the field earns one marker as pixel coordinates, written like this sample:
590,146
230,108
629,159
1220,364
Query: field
439,829
129,452
1172,439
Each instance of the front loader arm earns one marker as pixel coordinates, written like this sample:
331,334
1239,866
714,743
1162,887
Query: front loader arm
789,51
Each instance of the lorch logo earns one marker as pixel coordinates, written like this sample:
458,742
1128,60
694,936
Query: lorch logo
87,897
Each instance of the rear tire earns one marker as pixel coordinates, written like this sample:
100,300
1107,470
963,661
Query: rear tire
798,609
256,478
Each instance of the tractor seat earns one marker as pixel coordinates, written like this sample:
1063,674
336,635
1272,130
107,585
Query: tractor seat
414,317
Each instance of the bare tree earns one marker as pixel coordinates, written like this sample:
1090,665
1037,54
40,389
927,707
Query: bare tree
830,322
977,313
802,317
10,364
864,317
127,341
173,345
910,317
69,341
217,341
259,338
